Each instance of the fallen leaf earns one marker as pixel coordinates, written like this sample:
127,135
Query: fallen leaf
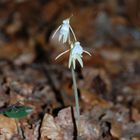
49,129
8,127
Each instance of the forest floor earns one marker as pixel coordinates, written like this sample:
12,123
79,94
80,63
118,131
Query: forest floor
108,85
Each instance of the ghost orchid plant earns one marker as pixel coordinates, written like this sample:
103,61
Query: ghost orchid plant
75,53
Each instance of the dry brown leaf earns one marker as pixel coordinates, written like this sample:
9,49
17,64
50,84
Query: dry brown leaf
31,132
133,88
135,114
53,7
16,98
49,129
89,129
119,20
8,127
111,54
90,74
133,11
65,121
17,50
92,99
131,130
116,129
62,127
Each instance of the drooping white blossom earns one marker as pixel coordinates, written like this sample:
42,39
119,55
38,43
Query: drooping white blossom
76,53
64,31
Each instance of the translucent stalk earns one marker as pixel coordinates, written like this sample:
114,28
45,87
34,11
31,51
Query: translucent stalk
73,34
76,97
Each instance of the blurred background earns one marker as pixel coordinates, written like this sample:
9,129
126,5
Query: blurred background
108,29
29,74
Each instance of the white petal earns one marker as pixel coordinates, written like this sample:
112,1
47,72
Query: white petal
64,32
56,31
64,28
80,60
65,38
70,61
60,37
61,54
87,52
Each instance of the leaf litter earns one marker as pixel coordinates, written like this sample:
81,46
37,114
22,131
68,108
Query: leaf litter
108,86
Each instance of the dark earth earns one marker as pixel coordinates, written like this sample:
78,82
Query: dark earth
108,84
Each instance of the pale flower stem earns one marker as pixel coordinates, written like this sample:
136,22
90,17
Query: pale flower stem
76,97
73,34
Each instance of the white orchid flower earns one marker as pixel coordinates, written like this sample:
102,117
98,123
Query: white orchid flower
64,31
76,54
